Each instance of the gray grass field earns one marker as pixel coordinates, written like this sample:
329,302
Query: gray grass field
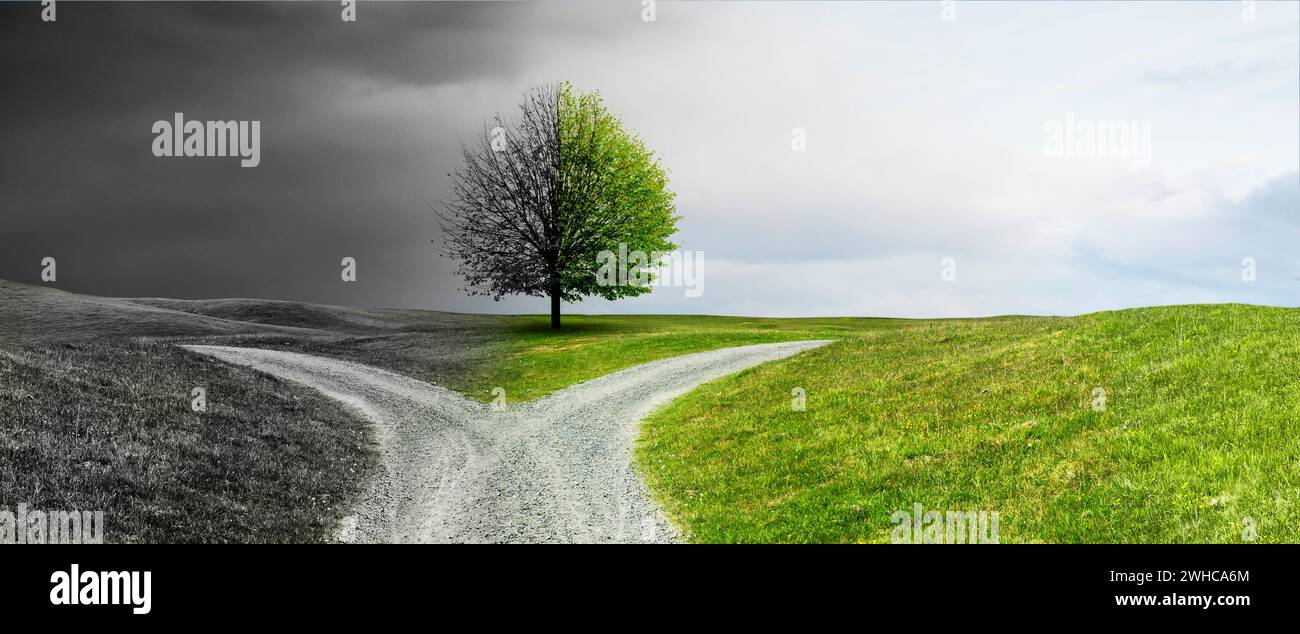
96,403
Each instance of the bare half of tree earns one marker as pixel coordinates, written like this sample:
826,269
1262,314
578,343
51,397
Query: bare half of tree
500,222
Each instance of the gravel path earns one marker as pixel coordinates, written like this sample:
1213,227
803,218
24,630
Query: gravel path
555,470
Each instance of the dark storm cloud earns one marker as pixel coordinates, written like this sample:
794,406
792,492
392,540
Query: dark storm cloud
134,54
344,172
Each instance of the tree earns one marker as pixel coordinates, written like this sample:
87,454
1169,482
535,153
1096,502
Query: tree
541,196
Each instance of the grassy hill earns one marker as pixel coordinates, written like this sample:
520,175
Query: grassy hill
1198,439
34,315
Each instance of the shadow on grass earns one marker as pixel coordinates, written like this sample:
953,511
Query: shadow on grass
541,325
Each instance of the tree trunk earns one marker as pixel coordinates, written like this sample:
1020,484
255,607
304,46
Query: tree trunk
555,307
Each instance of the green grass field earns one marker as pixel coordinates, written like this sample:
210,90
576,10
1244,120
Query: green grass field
1199,437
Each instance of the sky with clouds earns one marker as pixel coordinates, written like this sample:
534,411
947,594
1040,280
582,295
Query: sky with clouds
926,139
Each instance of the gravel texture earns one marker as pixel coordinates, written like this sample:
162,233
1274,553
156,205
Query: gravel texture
555,470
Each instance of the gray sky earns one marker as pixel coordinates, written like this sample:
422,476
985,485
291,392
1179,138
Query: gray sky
926,138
